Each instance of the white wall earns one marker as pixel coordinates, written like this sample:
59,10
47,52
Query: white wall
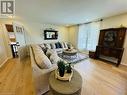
111,22
3,50
35,32
73,35
5,36
3,55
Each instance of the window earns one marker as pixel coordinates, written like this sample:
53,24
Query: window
88,36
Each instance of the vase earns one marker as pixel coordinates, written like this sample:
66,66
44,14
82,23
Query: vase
61,72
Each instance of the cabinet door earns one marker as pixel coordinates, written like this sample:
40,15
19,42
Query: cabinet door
101,38
120,38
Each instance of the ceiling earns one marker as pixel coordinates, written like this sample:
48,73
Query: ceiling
68,12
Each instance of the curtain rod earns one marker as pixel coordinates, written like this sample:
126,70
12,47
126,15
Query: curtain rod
90,22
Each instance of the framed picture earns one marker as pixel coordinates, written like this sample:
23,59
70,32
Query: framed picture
50,34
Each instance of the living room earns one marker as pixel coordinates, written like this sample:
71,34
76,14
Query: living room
77,31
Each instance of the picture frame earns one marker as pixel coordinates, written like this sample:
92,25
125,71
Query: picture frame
50,34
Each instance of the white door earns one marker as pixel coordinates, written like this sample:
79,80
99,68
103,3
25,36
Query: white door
19,34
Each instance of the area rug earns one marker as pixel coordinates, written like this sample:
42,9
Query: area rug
80,57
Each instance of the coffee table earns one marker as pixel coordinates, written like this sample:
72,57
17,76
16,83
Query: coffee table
70,53
58,87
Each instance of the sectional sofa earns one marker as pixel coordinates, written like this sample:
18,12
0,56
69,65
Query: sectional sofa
43,65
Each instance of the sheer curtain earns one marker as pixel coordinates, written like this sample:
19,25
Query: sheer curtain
88,36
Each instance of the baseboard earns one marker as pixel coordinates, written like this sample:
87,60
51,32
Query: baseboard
124,64
5,61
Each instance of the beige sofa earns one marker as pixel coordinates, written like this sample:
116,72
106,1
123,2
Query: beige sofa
40,76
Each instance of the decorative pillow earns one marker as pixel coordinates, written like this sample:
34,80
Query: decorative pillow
50,51
37,48
57,45
70,46
41,59
53,46
47,46
60,46
54,58
65,45
43,48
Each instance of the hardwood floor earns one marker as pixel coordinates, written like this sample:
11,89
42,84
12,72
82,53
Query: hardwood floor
16,78
99,78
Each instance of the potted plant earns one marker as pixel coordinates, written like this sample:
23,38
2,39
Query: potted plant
68,68
61,68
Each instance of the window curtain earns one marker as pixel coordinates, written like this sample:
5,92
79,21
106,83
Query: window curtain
88,36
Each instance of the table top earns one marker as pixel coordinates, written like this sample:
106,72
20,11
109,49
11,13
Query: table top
70,51
66,87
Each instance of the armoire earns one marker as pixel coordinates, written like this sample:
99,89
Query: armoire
110,45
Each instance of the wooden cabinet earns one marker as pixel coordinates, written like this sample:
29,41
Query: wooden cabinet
110,45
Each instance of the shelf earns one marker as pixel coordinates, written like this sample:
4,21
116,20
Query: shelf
111,59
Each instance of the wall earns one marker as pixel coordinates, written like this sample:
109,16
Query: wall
3,53
5,50
111,22
5,36
73,35
35,32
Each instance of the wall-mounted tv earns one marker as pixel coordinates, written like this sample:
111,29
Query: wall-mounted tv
50,34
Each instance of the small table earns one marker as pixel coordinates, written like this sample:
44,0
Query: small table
58,87
70,53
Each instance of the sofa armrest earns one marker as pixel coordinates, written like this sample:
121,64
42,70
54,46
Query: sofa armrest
45,71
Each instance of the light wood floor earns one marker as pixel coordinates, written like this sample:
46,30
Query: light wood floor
99,78
16,78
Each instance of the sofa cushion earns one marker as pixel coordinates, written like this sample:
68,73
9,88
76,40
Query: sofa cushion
41,59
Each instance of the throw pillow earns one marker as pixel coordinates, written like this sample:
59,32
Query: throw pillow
43,48
47,46
60,46
42,61
53,46
65,45
50,51
55,58
57,45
